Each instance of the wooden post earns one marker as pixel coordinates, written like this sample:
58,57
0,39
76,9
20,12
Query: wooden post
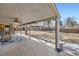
57,34
26,30
11,26
30,32
20,32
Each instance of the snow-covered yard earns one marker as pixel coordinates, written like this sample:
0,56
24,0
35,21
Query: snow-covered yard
27,47
20,44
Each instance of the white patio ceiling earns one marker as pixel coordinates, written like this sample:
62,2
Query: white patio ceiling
27,12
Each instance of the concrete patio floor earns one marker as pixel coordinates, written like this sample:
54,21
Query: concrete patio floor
29,47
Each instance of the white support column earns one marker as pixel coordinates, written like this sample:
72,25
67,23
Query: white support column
57,34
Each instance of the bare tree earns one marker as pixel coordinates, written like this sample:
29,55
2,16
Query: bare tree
61,24
70,21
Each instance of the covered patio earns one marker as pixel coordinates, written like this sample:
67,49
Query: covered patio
17,15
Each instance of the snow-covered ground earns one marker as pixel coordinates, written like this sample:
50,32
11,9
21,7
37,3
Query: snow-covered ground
27,47
71,48
20,44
